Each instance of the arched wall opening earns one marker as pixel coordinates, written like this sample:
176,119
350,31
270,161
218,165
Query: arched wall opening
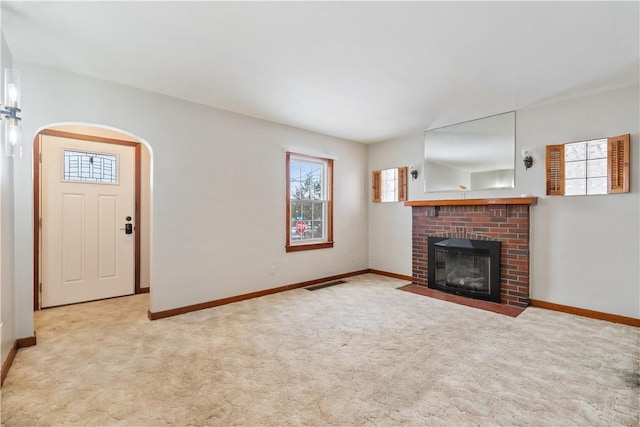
144,223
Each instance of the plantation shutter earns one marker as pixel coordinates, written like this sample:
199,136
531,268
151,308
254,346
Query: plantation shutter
402,184
618,164
376,179
555,170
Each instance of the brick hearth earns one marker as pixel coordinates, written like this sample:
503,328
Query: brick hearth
505,220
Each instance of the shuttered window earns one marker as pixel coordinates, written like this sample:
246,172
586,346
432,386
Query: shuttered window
402,184
618,164
555,170
389,185
376,178
599,166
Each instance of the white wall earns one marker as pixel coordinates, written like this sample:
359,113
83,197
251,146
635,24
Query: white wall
584,250
390,223
7,296
218,190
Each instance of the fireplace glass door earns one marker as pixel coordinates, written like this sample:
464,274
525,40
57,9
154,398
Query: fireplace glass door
465,267
456,269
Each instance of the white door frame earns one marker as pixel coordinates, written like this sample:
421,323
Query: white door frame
37,205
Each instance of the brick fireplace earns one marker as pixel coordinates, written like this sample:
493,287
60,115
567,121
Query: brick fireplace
505,220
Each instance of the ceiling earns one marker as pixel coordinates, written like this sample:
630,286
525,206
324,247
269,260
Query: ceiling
364,71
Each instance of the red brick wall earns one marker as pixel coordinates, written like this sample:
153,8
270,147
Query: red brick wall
507,223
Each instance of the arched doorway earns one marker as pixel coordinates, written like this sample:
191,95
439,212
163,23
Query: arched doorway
141,223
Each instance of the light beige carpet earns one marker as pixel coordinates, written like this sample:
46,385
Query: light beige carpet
359,354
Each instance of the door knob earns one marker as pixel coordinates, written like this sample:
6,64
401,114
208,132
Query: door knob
128,229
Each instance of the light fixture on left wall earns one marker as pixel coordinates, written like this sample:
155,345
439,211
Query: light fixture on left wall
527,158
12,124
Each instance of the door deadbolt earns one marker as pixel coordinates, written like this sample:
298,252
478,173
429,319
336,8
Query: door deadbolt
128,227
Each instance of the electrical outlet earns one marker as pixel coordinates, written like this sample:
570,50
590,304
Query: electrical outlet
352,258
272,270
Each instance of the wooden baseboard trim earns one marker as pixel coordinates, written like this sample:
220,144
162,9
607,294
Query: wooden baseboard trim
17,345
215,303
394,275
27,342
615,318
8,362
143,290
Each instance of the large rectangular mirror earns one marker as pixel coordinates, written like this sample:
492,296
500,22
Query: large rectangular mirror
474,155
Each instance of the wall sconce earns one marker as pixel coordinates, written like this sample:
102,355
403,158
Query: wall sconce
413,172
527,159
12,126
463,190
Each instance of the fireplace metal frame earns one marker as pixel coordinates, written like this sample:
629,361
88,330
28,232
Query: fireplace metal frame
467,247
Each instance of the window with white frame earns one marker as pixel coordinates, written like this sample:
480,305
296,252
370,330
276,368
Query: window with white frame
309,202
585,167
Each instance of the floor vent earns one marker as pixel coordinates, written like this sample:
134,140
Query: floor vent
324,285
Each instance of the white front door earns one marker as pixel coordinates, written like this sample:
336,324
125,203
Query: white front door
87,199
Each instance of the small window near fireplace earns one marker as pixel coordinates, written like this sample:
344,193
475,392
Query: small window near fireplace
584,168
389,185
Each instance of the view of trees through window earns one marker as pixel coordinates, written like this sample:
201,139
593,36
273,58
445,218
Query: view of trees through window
307,199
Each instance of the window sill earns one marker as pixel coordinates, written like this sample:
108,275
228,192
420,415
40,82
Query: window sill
308,247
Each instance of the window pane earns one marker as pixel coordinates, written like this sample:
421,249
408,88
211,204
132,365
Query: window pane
316,230
597,185
307,220
598,149
597,168
296,211
302,210
575,151
90,167
306,180
317,211
390,185
575,187
575,170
